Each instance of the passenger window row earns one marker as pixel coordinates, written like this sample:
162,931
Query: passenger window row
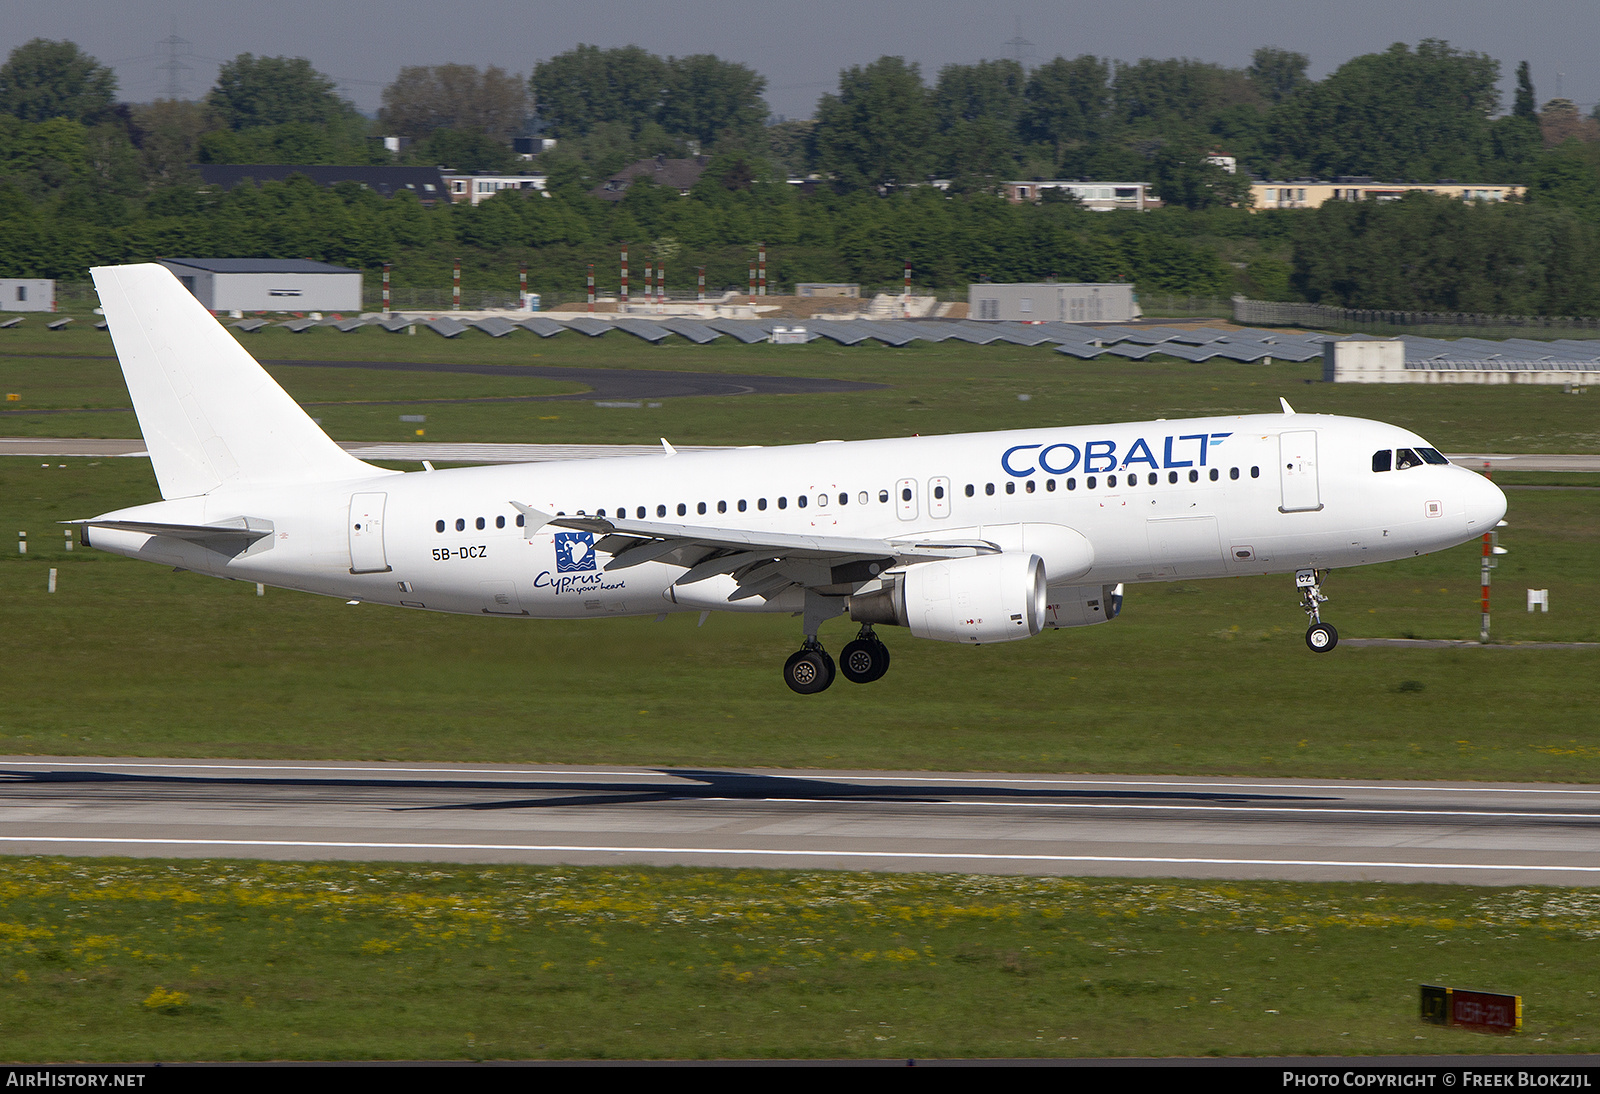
1029,486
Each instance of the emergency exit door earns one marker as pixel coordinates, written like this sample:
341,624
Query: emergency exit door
1297,471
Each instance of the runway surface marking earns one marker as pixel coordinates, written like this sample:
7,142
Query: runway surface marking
572,848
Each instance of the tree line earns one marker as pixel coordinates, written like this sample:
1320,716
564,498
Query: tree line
85,178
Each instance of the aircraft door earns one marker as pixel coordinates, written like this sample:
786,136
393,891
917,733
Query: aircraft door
939,497
1297,471
905,499
366,534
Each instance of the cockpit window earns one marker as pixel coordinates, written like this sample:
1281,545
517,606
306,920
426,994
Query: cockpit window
1382,460
1432,455
1404,458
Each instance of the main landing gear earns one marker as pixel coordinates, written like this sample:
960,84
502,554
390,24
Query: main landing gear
1320,636
810,669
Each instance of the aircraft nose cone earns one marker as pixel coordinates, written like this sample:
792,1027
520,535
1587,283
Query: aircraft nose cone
1486,505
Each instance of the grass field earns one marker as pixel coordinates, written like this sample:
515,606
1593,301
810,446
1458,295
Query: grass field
109,960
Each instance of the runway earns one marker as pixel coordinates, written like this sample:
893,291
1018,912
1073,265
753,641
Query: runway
1137,826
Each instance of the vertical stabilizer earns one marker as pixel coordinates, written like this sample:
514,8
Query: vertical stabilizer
210,414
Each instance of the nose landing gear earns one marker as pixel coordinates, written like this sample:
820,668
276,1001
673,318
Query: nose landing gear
1320,636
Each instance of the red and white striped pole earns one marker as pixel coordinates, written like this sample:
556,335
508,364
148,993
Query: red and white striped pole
906,297
661,286
591,286
455,287
649,282
752,284
385,288
761,252
522,286
700,283
624,275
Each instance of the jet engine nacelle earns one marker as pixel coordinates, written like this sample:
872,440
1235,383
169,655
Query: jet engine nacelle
989,598
1082,605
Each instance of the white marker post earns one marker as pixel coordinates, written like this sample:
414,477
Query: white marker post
22,543
261,590
66,534
52,579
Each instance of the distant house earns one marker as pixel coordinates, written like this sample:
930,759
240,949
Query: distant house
1312,193
681,175
268,284
1100,196
483,185
387,181
1054,301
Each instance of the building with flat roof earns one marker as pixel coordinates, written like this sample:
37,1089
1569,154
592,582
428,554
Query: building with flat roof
1102,197
479,187
1313,193
1052,301
27,294
268,284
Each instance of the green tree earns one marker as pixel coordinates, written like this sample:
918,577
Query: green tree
877,131
1525,107
1068,103
425,98
256,91
977,109
1178,95
44,79
1402,113
710,100
1278,73
577,90
464,150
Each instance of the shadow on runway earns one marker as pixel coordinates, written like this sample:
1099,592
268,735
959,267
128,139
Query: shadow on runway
689,784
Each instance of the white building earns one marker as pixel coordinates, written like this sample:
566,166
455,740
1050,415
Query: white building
268,284
1102,197
1052,301
481,187
27,294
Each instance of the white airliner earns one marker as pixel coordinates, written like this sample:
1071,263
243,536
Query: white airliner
979,537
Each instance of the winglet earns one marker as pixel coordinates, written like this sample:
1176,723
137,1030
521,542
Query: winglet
667,448
532,519
1287,409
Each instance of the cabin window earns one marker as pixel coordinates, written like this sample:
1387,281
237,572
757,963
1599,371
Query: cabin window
1214,474
1111,482
905,494
499,522
988,488
1028,486
1255,472
1233,472
683,510
519,520
722,507
641,512
783,503
480,524
1072,484
844,499
661,510
971,490
1088,483
1154,478
761,504
822,501
800,501
1050,485
743,505
863,497
1172,476
701,509
938,492
438,526
461,525
1194,476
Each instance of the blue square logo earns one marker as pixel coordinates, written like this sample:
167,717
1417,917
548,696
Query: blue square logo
574,552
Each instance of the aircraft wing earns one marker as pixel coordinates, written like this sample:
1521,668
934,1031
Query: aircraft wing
763,563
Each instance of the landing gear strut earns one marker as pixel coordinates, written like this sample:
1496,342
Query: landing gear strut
865,659
1320,636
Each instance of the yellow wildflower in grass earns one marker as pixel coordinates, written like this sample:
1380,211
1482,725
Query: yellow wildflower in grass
164,1000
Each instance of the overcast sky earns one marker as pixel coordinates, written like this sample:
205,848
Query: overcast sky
802,45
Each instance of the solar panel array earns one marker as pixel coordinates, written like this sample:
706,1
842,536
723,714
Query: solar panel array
1247,345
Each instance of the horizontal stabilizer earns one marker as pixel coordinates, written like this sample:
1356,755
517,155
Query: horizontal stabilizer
228,537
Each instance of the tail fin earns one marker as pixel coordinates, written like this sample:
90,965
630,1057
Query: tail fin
209,413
